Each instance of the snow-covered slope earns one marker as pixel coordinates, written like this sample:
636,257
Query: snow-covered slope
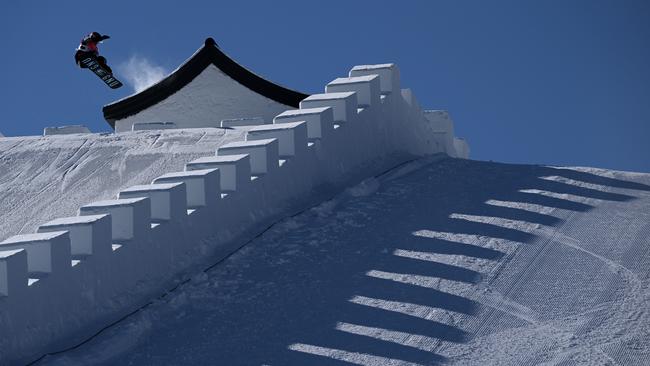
42,178
134,214
465,262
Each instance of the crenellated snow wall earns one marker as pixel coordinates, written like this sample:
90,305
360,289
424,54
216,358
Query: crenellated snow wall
76,274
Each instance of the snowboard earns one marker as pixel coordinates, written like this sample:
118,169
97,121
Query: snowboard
103,74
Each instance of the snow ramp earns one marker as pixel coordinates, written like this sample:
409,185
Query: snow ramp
135,236
439,261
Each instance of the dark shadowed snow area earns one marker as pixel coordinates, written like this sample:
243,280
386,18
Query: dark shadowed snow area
451,261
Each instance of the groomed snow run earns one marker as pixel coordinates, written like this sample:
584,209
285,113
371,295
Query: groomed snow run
438,261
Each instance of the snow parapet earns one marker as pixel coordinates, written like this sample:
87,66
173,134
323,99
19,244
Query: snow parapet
65,130
60,285
153,126
239,122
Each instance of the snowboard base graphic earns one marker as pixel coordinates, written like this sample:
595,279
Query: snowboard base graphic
101,72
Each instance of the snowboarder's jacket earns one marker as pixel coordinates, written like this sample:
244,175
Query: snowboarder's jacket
89,43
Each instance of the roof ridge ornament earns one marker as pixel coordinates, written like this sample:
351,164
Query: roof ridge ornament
211,42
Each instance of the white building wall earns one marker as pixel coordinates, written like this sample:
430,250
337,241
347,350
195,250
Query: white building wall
211,97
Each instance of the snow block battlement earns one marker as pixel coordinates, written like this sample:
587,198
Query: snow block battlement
343,104
462,148
366,87
13,272
46,252
389,78
129,249
235,170
407,95
168,200
291,136
443,130
264,154
320,121
203,187
89,235
130,217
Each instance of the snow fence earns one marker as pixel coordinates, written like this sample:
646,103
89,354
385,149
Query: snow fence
77,274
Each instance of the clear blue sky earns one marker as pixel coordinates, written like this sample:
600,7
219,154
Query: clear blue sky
548,82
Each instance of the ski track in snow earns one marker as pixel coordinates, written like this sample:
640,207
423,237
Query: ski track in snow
452,261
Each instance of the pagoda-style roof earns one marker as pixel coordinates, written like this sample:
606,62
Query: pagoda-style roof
209,54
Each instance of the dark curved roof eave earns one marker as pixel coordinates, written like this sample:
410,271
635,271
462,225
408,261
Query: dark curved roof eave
208,54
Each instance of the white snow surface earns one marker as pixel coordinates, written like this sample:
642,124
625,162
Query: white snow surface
43,178
438,261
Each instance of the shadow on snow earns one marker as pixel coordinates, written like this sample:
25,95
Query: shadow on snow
352,285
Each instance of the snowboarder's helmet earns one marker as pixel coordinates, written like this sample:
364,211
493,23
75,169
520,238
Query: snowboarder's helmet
95,36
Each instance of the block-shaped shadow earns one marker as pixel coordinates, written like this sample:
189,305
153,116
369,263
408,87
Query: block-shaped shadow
547,201
377,349
514,214
565,188
394,291
593,178
484,229
440,246
417,267
380,318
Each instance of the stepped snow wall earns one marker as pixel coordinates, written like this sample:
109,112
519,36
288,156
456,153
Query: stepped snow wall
76,273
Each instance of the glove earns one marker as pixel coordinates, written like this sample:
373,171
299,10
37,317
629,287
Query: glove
105,37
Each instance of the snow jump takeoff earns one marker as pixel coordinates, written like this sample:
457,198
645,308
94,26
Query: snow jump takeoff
87,57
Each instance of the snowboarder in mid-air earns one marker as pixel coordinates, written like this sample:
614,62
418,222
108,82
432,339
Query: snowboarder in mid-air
87,57
88,48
